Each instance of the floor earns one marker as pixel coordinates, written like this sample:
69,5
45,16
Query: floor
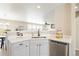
2,54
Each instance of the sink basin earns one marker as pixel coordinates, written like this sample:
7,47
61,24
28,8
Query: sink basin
39,37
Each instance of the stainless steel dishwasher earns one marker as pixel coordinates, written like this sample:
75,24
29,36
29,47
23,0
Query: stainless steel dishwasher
58,48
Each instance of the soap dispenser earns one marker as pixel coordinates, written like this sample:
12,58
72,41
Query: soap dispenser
59,33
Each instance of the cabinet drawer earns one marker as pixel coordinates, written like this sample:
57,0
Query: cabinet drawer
20,48
41,40
18,44
21,43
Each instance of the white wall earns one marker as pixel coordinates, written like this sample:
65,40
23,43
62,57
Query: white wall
50,17
73,31
11,24
63,18
77,33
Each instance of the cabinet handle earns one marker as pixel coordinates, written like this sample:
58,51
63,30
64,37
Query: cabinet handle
26,45
21,44
39,44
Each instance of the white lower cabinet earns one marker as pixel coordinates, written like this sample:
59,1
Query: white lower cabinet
39,47
44,49
20,49
36,47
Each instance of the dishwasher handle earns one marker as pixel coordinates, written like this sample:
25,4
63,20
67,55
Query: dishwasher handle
56,42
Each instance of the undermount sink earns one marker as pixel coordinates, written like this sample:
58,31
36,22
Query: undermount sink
39,37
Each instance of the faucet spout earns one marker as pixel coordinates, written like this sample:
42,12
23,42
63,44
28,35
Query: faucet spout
38,32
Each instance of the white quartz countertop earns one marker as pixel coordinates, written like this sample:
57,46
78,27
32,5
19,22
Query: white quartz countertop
18,39
2,36
65,39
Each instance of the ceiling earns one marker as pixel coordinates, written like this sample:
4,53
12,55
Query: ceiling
27,11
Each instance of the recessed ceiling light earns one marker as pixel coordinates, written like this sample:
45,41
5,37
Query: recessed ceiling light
1,23
38,6
76,7
7,24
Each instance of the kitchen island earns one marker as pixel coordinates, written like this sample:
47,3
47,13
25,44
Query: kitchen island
28,46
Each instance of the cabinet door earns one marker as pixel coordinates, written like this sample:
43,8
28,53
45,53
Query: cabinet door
34,48
20,49
26,46
44,48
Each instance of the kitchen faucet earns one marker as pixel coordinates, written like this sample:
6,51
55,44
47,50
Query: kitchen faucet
38,32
